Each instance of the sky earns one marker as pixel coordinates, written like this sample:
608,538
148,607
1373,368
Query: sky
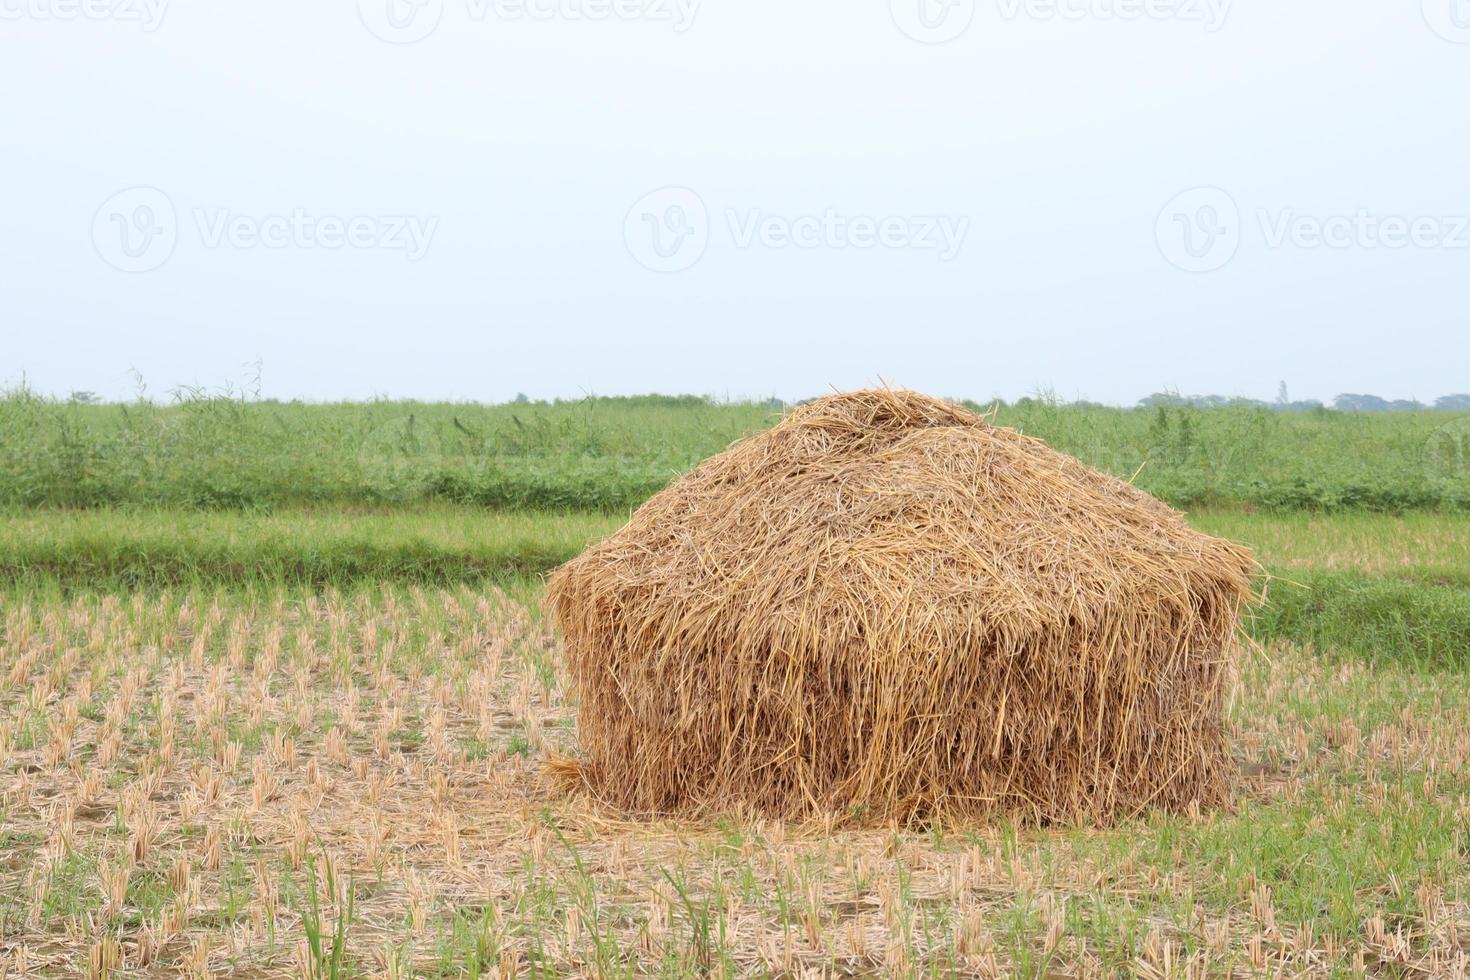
472,199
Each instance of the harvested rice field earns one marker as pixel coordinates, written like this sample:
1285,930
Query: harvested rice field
248,735
297,782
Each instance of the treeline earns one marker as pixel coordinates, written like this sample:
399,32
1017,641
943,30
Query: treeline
1165,399
1342,403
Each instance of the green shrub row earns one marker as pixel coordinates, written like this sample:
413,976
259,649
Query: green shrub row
611,454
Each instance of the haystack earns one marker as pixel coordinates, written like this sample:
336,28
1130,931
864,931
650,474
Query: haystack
888,608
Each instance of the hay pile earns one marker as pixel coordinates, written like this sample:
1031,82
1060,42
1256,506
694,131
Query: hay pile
886,608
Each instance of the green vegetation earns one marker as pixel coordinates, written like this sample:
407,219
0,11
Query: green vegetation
612,453
1370,585
221,453
1421,546
1374,618
436,544
1375,586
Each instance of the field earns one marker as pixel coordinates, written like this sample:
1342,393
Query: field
288,716
610,454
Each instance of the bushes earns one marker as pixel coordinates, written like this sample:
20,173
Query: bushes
613,453
1377,618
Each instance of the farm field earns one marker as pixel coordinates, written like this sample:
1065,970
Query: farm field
301,727
43,542
350,783
1375,585
613,453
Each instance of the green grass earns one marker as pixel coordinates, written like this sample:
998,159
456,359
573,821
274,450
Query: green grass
613,453
1373,586
1368,585
1373,618
219,453
152,547
1424,546
449,542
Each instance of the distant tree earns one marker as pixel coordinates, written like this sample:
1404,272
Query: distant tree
1172,399
1163,399
1283,397
521,398
84,398
1372,403
1453,403
1360,403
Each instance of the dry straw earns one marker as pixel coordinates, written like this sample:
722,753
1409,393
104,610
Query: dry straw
886,608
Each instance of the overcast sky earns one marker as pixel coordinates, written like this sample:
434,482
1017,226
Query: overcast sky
474,198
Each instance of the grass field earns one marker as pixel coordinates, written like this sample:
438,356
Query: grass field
384,542
611,454
296,725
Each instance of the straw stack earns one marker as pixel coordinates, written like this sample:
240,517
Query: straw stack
888,608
